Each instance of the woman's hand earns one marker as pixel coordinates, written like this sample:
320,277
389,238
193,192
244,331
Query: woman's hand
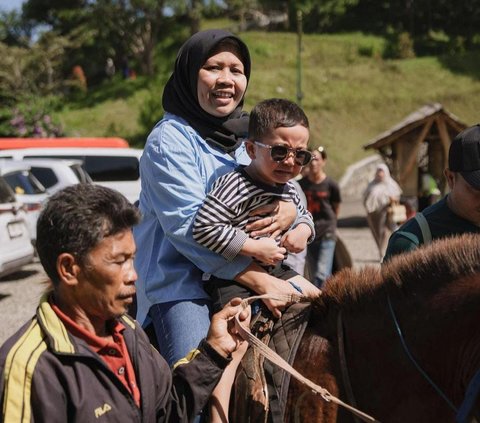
259,281
281,215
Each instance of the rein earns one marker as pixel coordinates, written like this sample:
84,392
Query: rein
414,361
279,361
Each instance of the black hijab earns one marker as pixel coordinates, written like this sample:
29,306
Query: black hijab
180,93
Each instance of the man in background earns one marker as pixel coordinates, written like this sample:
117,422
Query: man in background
323,202
459,211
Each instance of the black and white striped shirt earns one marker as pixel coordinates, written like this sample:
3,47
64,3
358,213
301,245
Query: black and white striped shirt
220,222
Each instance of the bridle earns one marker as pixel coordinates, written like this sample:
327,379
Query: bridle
279,361
471,394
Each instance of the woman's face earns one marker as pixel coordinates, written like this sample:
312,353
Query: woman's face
221,82
380,175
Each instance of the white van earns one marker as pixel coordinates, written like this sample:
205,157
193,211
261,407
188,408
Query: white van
117,168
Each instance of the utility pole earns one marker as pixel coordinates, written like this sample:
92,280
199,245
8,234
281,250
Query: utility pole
299,58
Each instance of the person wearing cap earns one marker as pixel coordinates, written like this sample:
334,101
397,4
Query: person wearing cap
81,358
459,211
323,202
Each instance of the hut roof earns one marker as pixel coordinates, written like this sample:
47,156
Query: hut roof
412,122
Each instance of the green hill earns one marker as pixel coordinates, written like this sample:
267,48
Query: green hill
350,93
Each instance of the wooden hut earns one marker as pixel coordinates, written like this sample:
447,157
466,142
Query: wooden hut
421,140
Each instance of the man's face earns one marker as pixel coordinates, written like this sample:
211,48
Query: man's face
105,286
464,197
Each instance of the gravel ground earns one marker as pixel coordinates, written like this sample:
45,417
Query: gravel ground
20,292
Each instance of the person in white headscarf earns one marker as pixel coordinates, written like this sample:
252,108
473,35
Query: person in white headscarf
381,192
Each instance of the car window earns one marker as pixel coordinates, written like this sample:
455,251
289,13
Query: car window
45,175
23,182
6,194
104,168
81,174
112,168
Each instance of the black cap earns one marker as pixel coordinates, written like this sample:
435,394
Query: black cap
464,155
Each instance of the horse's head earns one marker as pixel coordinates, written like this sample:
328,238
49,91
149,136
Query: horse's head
435,294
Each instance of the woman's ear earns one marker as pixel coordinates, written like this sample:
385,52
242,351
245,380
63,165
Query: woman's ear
250,147
67,268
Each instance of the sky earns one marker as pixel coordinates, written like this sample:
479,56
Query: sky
7,5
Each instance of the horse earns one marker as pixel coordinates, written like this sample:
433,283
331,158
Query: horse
407,345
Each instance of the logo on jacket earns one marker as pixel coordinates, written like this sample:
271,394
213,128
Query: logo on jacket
100,411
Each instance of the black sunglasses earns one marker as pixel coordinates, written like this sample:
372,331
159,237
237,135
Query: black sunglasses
280,153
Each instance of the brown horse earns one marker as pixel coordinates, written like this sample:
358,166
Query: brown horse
394,371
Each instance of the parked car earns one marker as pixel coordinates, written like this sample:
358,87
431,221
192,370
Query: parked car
55,174
117,168
16,249
28,191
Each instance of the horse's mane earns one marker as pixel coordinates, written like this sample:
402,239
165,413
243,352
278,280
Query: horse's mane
424,270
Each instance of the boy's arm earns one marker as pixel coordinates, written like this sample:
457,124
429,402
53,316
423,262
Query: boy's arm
213,229
296,239
304,215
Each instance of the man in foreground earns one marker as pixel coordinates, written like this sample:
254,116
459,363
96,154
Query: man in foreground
81,358
459,211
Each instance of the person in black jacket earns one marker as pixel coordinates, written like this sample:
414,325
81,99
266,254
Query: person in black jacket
81,358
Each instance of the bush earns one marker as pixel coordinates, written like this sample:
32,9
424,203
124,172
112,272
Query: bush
152,109
31,118
399,45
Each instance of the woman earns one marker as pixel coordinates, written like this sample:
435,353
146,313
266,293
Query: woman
198,140
379,195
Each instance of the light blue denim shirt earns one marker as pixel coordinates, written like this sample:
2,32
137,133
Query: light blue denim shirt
177,170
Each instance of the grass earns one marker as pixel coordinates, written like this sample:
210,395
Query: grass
349,92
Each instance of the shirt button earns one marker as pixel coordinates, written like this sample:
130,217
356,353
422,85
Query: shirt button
121,370
112,352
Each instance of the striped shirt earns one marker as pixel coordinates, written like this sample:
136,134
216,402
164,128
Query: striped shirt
220,222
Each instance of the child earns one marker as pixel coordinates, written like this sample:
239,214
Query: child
277,145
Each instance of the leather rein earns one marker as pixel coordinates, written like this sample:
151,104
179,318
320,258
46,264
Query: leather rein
273,357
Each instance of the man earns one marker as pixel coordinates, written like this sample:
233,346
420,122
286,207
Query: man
323,201
459,211
81,358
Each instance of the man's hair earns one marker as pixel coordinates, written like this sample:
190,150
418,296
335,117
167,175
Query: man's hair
274,113
76,219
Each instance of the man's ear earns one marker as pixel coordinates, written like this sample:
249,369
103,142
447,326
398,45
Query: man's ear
450,177
67,268
250,147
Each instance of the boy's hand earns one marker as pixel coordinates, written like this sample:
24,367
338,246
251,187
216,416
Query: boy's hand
296,239
265,250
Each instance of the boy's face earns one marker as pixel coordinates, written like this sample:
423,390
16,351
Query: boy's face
270,171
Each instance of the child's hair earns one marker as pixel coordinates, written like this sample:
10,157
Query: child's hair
274,113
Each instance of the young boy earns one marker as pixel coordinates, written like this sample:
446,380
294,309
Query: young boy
277,144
